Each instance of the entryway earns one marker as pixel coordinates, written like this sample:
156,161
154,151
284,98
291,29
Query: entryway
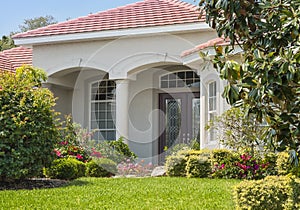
179,120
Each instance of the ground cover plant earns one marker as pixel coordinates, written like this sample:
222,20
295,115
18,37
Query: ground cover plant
124,193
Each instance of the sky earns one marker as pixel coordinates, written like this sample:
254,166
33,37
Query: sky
13,13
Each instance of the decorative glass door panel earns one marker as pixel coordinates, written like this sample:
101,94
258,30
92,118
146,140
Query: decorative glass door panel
173,120
179,119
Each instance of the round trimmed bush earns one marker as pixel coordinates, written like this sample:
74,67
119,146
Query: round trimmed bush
65,168
101,167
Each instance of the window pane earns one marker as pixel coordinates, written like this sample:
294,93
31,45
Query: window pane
102,111
179,79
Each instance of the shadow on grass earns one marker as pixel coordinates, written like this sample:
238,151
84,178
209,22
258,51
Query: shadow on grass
76,183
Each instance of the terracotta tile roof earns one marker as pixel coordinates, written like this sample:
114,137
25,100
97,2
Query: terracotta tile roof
145,13
14,58
210,43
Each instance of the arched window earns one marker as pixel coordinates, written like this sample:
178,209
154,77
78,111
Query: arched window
102,119
180,79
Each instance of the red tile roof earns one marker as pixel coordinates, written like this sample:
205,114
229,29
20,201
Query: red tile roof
14,58
146,13
217,41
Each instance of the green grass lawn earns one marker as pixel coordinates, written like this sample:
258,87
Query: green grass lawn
130,193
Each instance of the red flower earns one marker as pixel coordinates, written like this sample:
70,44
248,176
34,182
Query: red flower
64,143
78,156
58,153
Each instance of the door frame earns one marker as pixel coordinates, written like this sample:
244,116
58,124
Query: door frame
162,131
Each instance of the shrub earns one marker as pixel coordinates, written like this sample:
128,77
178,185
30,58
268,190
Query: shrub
284,164
71,146
175,165
101,167
117,151
270,193
28,123
65,168
198,166
240,165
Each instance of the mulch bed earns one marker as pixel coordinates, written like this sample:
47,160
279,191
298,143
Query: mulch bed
30,184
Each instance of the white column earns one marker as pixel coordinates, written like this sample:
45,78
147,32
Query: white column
122,109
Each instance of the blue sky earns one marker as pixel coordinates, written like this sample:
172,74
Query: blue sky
13,13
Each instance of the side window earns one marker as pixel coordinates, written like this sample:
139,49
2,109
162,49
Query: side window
102,103
212,107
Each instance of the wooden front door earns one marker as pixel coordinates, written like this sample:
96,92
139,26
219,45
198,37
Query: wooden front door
179,119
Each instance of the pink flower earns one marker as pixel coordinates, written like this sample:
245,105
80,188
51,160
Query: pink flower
64,143
58,153
78,156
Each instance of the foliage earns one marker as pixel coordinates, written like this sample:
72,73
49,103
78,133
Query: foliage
6,43
177,147
268,78
101,167
195,144
240,165
65,168
139,169
274,192
175,165
237,130
198,166
34,23
28,126
71,145
284,166
117,150
122,193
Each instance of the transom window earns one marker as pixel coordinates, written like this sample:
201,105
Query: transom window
103,110
180,79
212,106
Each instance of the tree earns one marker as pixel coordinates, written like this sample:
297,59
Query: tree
38,22
6,43
29,129
268,78
237,130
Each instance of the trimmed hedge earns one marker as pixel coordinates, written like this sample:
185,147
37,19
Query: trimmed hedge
175,165
65,168
101,167
273,192
198,166
190,163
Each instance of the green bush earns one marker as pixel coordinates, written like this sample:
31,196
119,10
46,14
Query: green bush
65,168
101,167
284,164
198,166
273,192
117,151
176,165
220,156
28,127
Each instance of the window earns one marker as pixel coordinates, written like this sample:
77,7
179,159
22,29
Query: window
212,107
180,79
102,119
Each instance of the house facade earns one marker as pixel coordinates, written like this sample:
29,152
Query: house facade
134,71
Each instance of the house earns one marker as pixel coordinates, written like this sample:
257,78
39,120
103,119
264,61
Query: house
134,71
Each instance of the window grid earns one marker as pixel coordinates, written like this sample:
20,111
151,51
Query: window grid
179,79
212,107
102,119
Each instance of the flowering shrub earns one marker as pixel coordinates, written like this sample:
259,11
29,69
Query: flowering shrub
244,166
131,168
65,149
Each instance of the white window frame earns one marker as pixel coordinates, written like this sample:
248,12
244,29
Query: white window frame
212,108
91,102
177,79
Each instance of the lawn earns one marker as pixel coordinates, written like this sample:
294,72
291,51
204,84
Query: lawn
126,193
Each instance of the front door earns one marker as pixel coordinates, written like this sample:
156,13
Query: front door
179,119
